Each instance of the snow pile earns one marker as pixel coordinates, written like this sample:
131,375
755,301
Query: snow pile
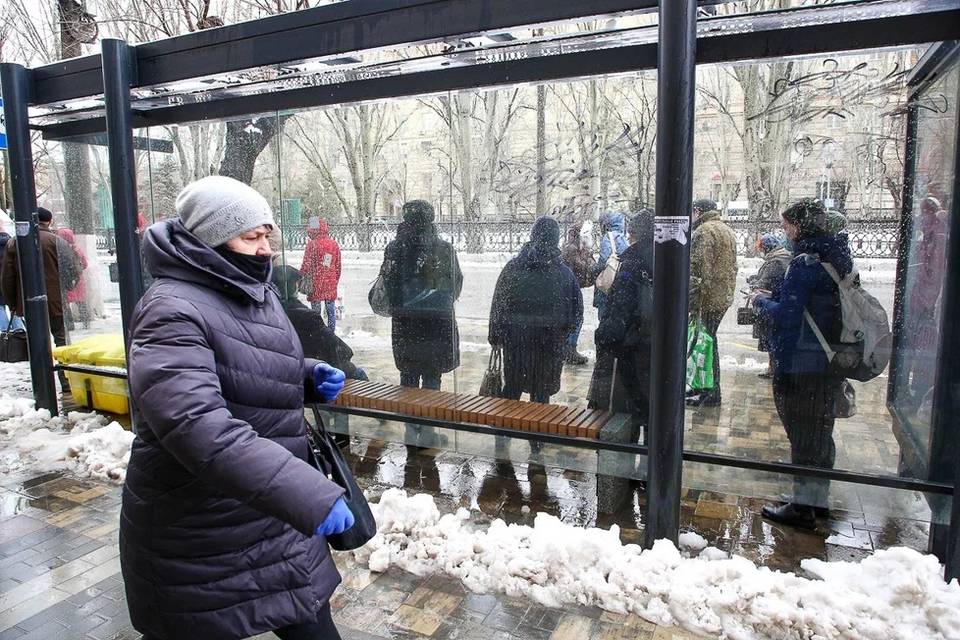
82,442
896,593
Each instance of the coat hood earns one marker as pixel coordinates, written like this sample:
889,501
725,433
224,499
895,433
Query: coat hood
544,243
173,252
778,253
834,249
318,229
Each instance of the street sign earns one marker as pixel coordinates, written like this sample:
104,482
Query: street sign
3,128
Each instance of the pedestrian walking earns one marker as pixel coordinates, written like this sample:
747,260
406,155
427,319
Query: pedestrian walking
223,520
321,270
59,266
536,304
713,282
768,279
577,254
804,389
626,329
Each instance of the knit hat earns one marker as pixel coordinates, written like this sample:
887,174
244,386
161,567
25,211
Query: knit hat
418,212
641,223
704,204
769,242
217,208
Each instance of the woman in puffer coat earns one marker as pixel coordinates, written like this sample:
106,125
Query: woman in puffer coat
223,523
536,304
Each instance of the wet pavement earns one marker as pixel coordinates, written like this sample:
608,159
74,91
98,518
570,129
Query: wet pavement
59,570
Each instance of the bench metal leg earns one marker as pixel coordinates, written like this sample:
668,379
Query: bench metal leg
613,468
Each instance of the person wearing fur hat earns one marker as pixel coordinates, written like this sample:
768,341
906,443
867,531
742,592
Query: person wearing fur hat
223,523
803,386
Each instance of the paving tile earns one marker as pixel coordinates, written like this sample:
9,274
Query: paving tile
49,630
416,620
90,577
573,627
674,633
18,526
442,604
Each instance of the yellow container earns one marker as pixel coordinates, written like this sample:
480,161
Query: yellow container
107,394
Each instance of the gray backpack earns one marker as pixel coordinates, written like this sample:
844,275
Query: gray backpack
865,339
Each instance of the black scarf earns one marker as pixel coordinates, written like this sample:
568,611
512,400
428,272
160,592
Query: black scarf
257,267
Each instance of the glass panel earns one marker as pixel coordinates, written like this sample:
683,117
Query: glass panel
798,170
926,250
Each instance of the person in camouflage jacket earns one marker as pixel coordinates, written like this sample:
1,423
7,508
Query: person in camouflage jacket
713,281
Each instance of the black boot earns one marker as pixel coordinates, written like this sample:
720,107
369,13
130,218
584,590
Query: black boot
572,356
794,515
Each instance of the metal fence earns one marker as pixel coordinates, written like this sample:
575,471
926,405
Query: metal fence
868,239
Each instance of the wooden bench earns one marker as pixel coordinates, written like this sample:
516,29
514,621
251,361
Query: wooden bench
457,407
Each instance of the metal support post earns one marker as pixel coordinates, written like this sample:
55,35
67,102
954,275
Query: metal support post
15,84
117,78
676,82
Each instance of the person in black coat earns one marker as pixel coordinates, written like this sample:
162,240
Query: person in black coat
536,304
318,340
625,328
423,281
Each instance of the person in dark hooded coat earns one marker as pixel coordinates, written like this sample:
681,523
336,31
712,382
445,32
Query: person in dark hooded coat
223,521
804,389
536,304
319,341
423,281
625,330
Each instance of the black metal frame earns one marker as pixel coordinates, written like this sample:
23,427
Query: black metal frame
872,32
354,26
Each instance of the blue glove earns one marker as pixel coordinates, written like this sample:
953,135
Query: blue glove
338,520
328,381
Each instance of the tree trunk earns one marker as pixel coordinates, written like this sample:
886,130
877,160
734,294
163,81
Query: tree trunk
245,141
541,207
78,190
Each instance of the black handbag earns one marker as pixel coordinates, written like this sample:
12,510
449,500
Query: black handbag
13,344
325,455
378,298
492,384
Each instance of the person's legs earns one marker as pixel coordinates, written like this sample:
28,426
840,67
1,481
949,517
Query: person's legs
323,629
331,307
571,355
431,381
711,323
804,404
409,379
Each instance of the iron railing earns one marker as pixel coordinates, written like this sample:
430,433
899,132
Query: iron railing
868,239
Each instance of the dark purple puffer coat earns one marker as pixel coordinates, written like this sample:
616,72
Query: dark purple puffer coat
219,505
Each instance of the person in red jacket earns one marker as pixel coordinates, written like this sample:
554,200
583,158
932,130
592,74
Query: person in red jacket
321,269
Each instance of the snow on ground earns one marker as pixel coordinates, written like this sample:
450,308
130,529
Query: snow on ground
895,593
83,443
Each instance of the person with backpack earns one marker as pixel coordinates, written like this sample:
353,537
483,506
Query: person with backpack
321,270
805,384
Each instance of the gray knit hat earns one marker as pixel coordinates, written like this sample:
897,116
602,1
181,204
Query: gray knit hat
217,208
